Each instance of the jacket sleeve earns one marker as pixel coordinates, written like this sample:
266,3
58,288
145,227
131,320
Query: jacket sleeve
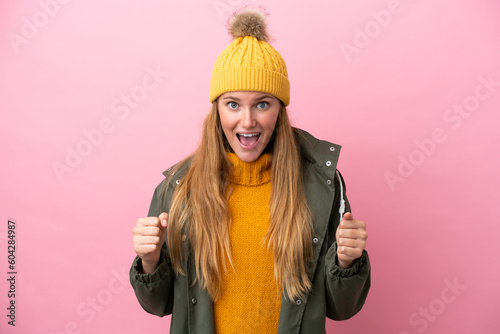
154,291
346,289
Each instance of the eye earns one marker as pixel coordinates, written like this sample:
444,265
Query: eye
262,105
232,105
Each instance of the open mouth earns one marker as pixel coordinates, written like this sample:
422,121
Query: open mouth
248,139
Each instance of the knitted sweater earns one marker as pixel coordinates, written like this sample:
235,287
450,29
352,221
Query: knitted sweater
251,300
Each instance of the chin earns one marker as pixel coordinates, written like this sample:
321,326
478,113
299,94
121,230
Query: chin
248,156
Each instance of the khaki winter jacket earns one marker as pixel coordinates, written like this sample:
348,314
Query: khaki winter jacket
337,293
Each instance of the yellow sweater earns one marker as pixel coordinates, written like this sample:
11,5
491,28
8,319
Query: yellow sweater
251,300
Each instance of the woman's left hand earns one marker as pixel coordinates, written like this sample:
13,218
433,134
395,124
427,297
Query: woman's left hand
351,240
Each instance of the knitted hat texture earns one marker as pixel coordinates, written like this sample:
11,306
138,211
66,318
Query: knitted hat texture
250,63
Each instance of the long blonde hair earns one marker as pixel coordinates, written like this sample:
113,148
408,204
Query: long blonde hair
200,209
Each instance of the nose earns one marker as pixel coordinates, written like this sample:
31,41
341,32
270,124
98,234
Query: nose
247,118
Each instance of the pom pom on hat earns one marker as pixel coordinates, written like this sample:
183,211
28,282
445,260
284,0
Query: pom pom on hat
249,22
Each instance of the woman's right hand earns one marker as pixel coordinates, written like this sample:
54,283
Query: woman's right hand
149,236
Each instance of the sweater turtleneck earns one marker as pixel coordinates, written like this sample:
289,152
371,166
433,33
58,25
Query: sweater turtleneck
253,173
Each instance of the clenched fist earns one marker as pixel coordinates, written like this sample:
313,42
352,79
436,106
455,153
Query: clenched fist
351,240
149,235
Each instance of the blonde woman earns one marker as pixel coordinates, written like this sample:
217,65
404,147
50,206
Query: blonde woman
252,233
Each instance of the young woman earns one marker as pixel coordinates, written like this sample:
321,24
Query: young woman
252,233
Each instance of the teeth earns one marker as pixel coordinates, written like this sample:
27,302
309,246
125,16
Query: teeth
248,135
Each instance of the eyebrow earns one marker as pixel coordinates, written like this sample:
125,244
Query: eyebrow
230,97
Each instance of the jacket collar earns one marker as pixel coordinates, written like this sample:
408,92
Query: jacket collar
319,153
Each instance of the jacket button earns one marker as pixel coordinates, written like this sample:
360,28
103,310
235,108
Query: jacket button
328,182
328,163
193,301
332,148
298,302
315,240
178,181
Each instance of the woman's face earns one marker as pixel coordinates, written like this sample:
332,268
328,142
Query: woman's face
248,120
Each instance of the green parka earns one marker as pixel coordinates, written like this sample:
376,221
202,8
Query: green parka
336,293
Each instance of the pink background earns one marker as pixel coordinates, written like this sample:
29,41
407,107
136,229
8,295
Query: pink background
385,79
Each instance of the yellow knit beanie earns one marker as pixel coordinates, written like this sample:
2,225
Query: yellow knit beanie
250,63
